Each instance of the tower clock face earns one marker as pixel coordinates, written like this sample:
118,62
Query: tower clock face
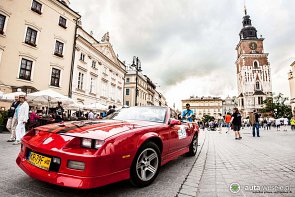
252,45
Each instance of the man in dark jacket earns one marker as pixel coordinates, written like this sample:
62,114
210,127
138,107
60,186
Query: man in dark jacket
59,110
111,110
12,119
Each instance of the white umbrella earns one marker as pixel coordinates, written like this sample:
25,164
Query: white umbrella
96,106
11,96
48,96
75,106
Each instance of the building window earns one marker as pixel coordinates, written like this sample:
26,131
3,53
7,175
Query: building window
127,103
127,91
31,37
62,22
93,64
55,77
82,57
242,102
255,65
104,89
25,69
59,46
80,81
92,85
105,69
127,80
260,100
36,7
2,23
257,85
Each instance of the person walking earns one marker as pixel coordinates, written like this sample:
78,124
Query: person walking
254,121
187,113
90,115
22,112
268,124
278,123
227,120
220,122
286,123
236,121
12,121
292,122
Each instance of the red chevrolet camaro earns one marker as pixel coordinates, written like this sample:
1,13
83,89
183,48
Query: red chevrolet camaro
132,143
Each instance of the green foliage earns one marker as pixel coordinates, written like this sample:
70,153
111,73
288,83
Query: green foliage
3,115
207,118
276,107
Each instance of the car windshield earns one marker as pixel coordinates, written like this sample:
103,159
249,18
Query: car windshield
152,114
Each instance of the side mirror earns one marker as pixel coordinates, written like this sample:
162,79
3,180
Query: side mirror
174,122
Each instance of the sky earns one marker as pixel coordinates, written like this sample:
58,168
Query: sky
187,47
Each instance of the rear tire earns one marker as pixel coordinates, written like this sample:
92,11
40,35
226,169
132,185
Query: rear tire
146,164
193,147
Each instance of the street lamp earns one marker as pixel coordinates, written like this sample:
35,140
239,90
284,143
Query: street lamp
137,65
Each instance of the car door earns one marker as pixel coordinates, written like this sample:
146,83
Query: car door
179,135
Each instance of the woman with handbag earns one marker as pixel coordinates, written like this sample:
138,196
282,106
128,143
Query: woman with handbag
236,122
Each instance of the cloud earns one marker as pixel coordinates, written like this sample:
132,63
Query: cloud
193,40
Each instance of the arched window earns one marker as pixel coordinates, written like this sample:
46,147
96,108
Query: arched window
255,64
257,85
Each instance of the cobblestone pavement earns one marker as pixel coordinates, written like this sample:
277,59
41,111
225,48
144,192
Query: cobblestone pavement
255,164
221,161
14,182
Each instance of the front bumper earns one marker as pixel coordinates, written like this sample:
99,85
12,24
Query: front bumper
68,180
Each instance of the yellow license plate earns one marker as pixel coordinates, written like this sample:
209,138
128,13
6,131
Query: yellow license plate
40,161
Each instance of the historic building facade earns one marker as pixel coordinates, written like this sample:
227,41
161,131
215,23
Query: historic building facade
147,95
36,45
130,88
201,106
253,69
98,75
228,104
291,78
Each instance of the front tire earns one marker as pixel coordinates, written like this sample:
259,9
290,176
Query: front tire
193,147
146,164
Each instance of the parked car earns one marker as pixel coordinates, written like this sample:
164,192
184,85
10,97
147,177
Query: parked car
133,143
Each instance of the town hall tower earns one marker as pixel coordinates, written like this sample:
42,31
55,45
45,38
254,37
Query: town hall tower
253,69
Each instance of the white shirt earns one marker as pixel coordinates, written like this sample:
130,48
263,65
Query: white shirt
90,116
23,112
278,121
286,121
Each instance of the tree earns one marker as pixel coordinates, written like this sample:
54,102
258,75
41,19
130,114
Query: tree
276,107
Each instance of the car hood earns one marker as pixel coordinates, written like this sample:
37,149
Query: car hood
94,129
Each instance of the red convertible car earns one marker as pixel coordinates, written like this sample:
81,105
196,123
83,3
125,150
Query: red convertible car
133,143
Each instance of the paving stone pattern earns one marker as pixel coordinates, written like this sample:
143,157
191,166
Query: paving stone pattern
221,160
251,162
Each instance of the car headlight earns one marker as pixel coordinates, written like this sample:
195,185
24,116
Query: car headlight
86,143
91,143
98,144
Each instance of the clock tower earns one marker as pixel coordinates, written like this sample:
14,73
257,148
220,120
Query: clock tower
253,69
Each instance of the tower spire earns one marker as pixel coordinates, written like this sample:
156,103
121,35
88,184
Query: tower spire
248,31
245,8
